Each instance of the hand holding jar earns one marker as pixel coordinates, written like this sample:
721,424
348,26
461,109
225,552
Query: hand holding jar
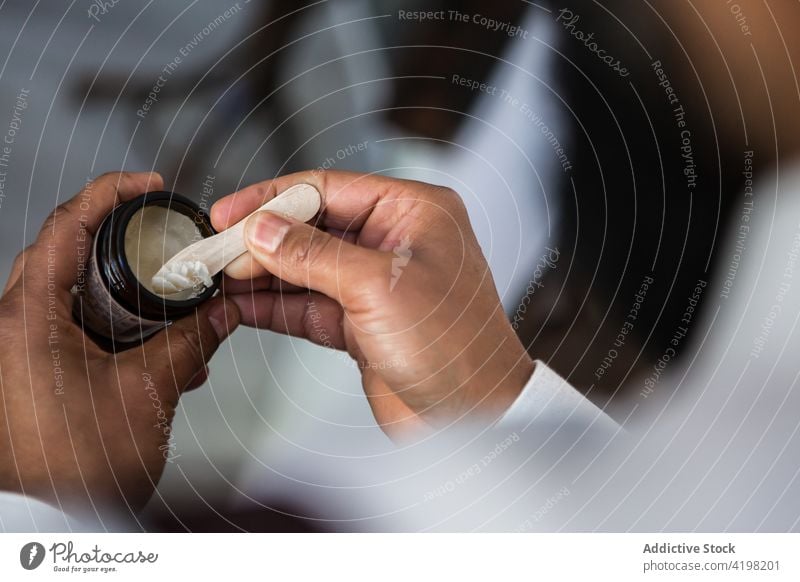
82,428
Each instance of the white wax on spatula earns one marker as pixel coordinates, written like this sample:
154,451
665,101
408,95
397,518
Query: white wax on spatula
198,263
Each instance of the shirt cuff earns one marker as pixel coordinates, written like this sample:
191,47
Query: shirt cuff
548,398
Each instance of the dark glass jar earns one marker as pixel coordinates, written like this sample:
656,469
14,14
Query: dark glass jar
111,302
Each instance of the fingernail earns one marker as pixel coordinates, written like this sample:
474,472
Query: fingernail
224,318
267,230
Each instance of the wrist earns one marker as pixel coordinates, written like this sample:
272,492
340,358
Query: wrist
482,391
506,379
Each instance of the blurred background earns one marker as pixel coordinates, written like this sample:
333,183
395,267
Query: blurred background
617,141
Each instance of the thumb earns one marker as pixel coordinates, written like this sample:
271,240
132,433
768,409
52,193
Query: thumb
306,256
178,354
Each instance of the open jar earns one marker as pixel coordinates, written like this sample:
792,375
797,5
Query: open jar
116,301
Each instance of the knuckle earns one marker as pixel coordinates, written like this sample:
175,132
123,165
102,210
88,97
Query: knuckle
19,261
320,247
322,175
124,177
450,206
62,212
110,177
444,206
100,181
294,252
107,181
306,251
453,200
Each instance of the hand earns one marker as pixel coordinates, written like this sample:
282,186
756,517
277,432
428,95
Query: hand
395,276
81,428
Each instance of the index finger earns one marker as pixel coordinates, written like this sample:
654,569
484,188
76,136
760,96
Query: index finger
348,198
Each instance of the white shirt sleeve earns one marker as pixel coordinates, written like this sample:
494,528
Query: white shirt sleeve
24,514
547,397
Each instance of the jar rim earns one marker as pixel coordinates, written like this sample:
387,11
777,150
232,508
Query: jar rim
120,218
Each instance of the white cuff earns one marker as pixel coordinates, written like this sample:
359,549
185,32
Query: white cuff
547,397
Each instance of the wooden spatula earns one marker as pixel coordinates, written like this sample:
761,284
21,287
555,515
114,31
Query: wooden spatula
204,259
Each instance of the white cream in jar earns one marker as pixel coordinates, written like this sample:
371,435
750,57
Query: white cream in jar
154,235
